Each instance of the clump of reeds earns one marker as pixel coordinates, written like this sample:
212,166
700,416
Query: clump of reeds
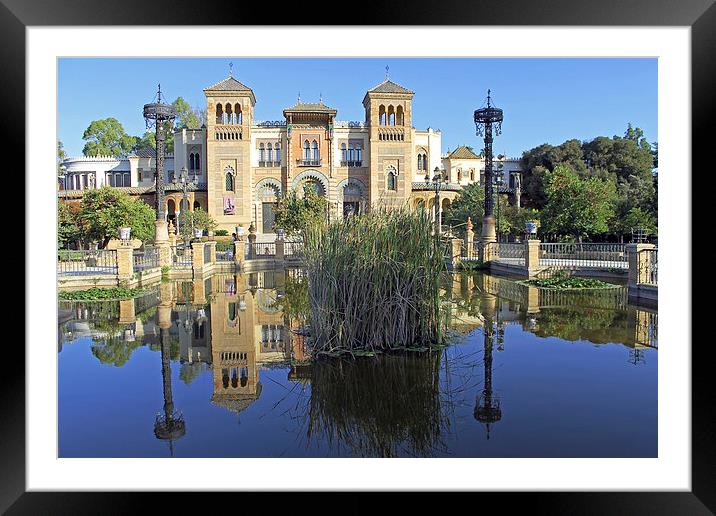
386,407
374,283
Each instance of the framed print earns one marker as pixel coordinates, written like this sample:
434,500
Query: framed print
229,198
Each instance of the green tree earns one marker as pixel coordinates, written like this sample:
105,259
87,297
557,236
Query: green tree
61,156
636,218
197,219
105,210
69,225
470,202
580,207
188,117
107,138
294,213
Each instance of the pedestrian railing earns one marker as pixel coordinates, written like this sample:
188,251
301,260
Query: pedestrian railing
225,256
292,248
86,263
510,253
147,258
182,257
207,253
648,263
260,250
568,255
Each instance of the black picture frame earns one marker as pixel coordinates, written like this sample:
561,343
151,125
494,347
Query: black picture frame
700,15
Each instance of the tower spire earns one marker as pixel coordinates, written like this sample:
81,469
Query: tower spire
231,69
387,69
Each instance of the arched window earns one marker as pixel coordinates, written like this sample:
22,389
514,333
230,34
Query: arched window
197,161
262,153
230,180
306,150
277,152
191,161
391,179
314,147
420,162
472,174
219,114
269,156
381,115
459,175
400,116
344,156
391,115
127,180
229,114
197,205
359,154
237,114
351,153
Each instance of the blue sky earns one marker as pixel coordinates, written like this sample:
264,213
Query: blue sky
544,100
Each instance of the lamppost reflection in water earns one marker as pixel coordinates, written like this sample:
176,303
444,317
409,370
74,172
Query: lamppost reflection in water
170,425
487,408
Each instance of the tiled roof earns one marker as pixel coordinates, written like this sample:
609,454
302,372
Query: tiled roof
146,152
303,106
388,86
228,84
463,152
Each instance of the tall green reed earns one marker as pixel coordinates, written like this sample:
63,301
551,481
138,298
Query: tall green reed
374,282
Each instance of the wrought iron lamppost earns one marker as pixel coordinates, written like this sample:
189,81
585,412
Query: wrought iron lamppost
159,115
488,120
437,184
185,184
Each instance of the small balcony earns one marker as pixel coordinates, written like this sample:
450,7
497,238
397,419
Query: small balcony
309,162
351,163
266,164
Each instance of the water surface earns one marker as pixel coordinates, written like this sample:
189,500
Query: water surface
216,368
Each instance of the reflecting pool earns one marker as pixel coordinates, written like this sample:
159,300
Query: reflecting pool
216,367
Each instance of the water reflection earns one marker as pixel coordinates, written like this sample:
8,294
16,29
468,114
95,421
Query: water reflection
230,334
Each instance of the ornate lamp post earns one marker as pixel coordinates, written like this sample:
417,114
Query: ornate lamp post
485,118
437,184
158,115
185,183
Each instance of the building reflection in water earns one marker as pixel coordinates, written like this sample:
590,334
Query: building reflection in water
237,324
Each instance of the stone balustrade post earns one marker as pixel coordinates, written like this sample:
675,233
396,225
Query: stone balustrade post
197,257
469,239
239,250
166,258
456,252
532,257
252,241
125,262
638,269
280,247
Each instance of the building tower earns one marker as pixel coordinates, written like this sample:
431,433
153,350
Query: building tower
229,114
389,116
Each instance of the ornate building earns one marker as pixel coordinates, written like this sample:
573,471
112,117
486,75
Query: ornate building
242,165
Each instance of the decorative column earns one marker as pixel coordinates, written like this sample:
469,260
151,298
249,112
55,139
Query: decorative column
456,252
197,257
280,250
469,239
125,261
638,266
252,241
532,257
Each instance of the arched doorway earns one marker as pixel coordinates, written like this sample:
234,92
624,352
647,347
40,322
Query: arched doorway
267,192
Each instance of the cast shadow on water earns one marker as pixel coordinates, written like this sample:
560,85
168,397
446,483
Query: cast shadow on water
399,405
